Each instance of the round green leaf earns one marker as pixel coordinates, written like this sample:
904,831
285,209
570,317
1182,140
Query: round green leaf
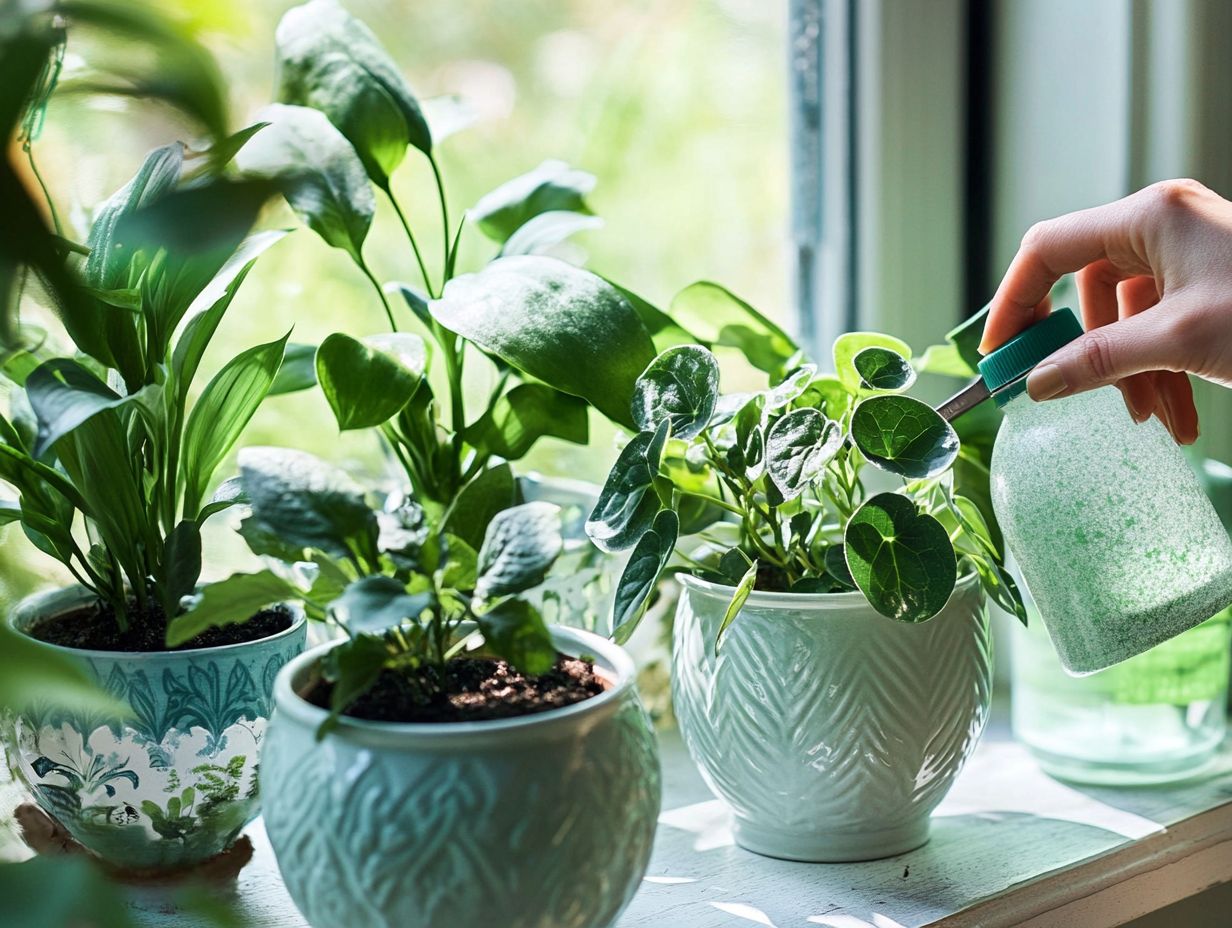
368,381
798,448
681,385
883,369
900,558
904,436
848,345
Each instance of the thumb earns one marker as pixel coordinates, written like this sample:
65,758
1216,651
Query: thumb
1144,342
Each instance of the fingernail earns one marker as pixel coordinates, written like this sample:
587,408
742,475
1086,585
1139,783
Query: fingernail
1045,382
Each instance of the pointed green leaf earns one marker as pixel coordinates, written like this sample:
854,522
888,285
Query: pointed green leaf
739,597
718,317
551,187
798,448
490,492
514,629
510,427
298,370
627,504
330,60
225,406
318,172
538,235
555,322
230,602
64,394
368,381
307,503
181,563
520,545
375,604
641,574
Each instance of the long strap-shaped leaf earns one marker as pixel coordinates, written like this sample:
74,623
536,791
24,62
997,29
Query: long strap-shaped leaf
225,406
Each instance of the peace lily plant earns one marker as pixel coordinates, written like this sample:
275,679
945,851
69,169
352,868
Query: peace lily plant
113,446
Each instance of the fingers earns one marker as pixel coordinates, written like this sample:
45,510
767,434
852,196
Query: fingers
1176,395
1057,247
1141,391
1103,299
1144,342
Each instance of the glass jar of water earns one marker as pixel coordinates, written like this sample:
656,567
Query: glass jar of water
1156,717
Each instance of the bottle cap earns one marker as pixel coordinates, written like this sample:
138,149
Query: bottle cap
1026,349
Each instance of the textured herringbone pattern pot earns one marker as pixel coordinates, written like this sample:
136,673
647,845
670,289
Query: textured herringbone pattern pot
542,821
831,731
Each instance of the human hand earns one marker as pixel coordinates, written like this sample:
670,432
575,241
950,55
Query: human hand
1154,273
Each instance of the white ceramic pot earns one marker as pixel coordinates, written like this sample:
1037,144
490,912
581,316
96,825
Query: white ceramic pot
831,731
541,821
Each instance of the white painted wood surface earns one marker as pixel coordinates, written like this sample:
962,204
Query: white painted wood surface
1010,847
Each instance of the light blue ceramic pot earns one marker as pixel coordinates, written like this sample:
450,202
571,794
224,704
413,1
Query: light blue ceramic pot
831,731
541,821
175,782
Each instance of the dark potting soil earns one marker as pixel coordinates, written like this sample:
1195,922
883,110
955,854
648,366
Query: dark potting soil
474,689
94,628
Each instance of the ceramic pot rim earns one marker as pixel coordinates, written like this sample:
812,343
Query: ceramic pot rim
806,602
31,604
609,656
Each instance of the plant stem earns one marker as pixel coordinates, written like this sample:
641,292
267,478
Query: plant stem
406,227
367,271
440,192
722,504
51,207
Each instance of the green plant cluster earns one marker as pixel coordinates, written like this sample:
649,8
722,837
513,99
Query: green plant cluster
774,486
114,445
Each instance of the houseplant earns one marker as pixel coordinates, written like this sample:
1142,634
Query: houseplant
476,368
409,778
406,580
113,463
831,664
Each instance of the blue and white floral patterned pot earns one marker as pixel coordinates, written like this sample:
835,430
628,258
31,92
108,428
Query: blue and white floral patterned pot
175,782
540,821
830,731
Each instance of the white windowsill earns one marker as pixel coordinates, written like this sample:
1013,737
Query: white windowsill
1010,846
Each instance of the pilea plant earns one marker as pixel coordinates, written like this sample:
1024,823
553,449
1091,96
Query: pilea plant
399,589
775,485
